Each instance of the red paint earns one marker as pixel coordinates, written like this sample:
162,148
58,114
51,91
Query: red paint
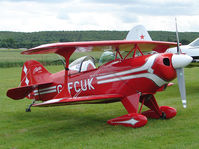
130,81
138,119
142,37
169,111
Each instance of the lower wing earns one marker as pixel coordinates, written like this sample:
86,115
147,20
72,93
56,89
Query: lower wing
81,100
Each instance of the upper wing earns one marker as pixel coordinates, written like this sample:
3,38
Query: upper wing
122,45
80,100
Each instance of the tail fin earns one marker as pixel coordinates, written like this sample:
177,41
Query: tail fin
139,32
34,73
33,76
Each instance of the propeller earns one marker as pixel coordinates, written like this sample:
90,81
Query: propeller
179,61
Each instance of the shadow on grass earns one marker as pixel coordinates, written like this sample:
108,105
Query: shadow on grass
56,121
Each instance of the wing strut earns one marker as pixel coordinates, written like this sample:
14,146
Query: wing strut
66,54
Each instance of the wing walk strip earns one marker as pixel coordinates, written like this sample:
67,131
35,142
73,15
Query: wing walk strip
47,90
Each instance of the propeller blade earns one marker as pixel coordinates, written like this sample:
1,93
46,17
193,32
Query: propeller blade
181,85
177,38
179,61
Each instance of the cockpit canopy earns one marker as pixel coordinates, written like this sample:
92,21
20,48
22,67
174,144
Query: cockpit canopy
195,43
81,64
106,56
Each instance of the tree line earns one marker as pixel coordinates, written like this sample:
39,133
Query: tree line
28,40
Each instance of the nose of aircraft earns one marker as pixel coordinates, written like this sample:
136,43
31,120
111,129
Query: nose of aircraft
181,60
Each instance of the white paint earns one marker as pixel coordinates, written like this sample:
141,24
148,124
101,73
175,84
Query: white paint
70,86
52,101
138,32
46,92
147,66
90,86
37,69
75,86
25,69
150,76
45,89
85,85
191,49
27,81
59,87
184,101
181,60
131,121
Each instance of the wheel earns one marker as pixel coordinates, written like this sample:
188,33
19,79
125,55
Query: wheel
163,115
28,110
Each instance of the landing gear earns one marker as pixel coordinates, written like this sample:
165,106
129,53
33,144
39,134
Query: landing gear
134,120
29,107
28,110
156,112
167,113
163,116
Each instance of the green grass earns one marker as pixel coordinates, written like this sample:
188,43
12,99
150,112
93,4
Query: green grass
85,127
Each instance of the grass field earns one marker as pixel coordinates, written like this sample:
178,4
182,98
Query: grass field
85,127
13,58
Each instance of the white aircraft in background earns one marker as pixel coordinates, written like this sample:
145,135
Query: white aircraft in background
191,49
139,32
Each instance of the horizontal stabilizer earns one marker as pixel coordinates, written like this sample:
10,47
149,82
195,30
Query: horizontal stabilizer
23,91
81,100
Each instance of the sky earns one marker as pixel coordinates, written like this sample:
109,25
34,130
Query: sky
70,15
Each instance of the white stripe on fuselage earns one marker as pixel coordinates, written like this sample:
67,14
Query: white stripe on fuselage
47,90
150,76
147,66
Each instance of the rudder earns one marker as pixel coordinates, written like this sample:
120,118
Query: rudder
33,72
33,76
139,32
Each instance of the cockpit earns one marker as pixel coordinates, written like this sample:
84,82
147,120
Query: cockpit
195,43
82,64
87,63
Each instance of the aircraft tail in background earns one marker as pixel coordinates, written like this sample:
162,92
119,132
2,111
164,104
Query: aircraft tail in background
139,32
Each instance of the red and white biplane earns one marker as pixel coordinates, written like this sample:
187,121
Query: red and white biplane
131,79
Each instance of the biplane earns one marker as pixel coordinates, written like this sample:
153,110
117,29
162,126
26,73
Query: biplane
131,79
